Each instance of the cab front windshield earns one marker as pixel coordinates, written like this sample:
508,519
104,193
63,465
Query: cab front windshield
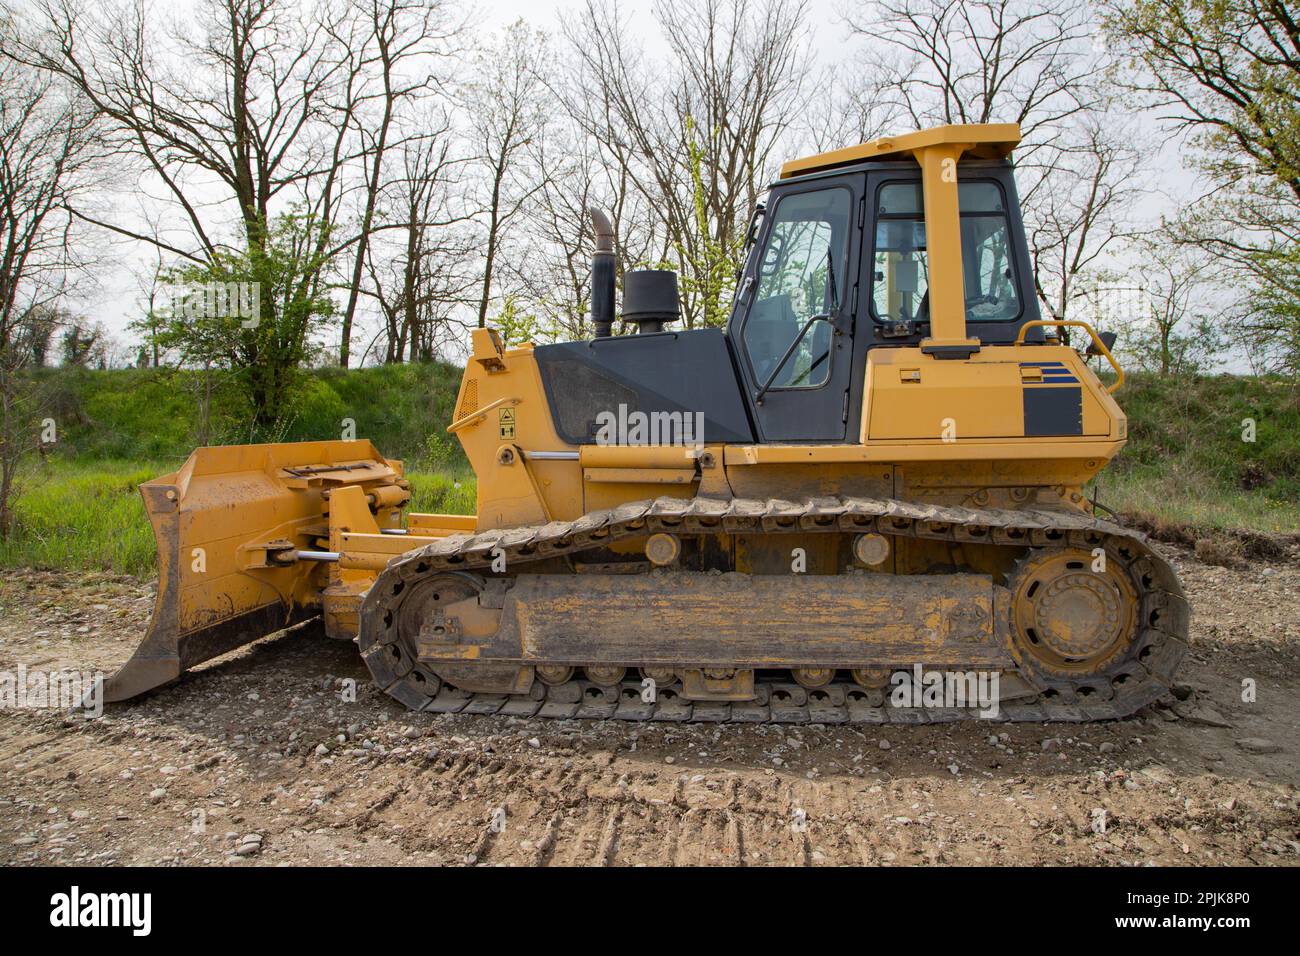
900,282
800,275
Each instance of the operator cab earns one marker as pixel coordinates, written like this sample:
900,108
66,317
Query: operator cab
839,263
911,242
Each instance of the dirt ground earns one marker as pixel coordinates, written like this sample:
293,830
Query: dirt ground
255,759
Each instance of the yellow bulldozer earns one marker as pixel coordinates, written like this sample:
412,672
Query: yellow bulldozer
877,470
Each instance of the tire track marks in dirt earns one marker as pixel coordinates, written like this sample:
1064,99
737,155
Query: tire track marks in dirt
583,815
524,808
262,742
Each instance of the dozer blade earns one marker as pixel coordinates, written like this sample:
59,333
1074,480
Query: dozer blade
227,525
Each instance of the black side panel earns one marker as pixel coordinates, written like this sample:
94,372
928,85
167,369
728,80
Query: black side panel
690,371
1053,410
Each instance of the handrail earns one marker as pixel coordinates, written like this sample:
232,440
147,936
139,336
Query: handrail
758,399
479,414
1092,333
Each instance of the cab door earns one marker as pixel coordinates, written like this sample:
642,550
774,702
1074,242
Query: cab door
792,326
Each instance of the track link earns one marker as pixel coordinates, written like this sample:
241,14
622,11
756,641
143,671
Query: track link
1142,675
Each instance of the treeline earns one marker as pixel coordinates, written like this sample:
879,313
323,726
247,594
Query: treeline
354,182
388,175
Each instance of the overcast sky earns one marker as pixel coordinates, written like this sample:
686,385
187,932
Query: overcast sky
116,297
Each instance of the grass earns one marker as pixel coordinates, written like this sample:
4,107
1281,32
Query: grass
1185,468
1163,500
88,515
83,515
439,493
1186,464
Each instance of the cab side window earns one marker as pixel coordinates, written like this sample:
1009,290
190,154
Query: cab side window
801,274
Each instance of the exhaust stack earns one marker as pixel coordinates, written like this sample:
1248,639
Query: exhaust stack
603,266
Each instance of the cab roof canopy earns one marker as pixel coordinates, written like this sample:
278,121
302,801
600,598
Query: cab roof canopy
977,141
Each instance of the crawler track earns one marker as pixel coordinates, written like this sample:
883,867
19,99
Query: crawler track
1137,675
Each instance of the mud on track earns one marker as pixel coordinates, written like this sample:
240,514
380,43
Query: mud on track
261,744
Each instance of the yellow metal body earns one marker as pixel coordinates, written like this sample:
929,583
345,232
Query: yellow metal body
941,430
936,431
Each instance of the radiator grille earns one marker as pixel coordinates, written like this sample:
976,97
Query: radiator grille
469,401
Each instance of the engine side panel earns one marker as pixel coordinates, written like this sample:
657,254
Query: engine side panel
680,373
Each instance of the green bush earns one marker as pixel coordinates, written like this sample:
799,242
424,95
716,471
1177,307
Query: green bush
158,414
1186,461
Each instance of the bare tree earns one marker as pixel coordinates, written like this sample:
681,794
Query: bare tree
236,101
980,61
48,145
33,334
552,266
847,111
695,133
152,321
1180,328
400,37
1083,210
423,272
509,113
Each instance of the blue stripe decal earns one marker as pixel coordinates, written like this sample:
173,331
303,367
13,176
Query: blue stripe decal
1054,373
